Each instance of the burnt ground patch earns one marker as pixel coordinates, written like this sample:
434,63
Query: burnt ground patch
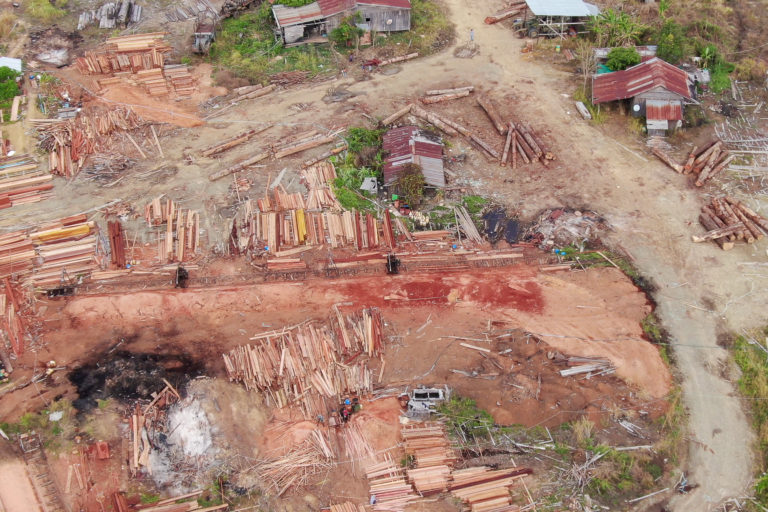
126,376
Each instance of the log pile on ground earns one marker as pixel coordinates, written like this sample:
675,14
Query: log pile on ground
485,490
703,162
55,255
432,455
178,229
70,141
440,95
308,363
515,8
728,221
22,182
111,14
387,483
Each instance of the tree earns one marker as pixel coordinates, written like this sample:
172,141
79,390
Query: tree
671,43
347,33
611,28
622,58
411,184
587,60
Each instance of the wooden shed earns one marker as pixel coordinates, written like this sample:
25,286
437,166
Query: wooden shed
386,15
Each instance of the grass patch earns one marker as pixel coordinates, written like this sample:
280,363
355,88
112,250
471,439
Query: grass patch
7,24
431,30
45,11
465,419
754,384
581,94
474,204
149,498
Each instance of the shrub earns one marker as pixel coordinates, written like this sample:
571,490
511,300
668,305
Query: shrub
612,28
672,43
411,183
346,33
750,69
622,58
45,11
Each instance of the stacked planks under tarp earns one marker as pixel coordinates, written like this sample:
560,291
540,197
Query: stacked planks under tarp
180,239
22,181
70,141
728,221
54,255
138,59
310,362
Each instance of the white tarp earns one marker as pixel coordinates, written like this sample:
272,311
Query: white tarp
8,62
568,8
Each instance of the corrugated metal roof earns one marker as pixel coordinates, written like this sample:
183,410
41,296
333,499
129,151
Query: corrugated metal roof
287,16
407,144
401,4
663,110
576,8
331,7
644,51
638,79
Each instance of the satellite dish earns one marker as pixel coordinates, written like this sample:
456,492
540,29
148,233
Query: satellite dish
636,108
389,21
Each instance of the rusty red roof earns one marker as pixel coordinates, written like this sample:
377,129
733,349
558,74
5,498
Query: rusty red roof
286,16
408,144
402,4
666,110
331,7
652,74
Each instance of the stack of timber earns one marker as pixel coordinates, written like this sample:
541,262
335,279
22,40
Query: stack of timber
183,503
146,422
486,490
317,179
515,8
702,163
116,243
126,53
21,181
387,483
52,255
309,362
728,221
180,239
70,141
347,507
432,454
12,322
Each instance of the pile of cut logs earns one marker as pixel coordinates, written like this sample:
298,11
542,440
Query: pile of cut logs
70,141
126,53
52,255
704,162
311,361
21,181
387,483
12,322
515,8
432,454
486,490
728,221
116,243
520,140
181,237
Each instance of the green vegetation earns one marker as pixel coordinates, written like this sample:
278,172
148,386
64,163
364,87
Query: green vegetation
474,204
7,24
612,28
622,58
411,183
8,90
363,159
246,46
431,30
582,95
465,419
347,33
753,384
672,43
54,434
149,498
45,11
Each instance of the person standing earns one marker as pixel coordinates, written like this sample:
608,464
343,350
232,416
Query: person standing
471,35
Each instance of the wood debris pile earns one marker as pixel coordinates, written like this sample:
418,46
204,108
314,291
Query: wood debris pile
514,8
111,14
55,255
703,163
138,59
180,239
520,141
432,455
145,423
22,182
728,221
312,361
12,323
70,141
184,503
288,78
592,365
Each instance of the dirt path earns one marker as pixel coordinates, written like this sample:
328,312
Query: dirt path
16,492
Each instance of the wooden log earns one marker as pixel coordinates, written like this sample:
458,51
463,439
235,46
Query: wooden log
444,97
493,114
234,141
689,163
699,161
709,223
507,145
745,233
701,149
397,115
239,166
718,233
298,148
513,10
753,228
526,149
514,147
714,157
721,166
436,92
520,149
724,212
398,59
259,92
433,119
667,160
720,222
525,132
485,146
754,217
327,154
